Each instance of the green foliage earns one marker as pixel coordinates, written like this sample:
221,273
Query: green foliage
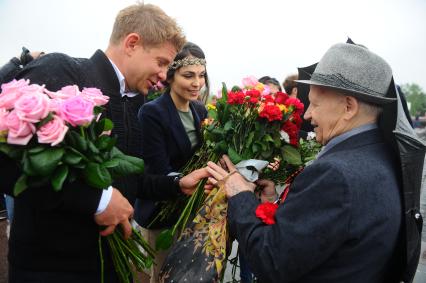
416,97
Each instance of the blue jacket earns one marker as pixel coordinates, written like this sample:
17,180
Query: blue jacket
341,220
165,145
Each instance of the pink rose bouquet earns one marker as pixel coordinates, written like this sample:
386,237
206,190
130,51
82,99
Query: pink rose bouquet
56,137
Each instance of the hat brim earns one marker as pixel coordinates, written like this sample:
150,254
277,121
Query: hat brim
360,95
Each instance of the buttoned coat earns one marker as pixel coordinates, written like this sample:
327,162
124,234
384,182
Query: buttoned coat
341,220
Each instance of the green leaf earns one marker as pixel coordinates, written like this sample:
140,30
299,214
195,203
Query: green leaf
27,167
72,157
221,147
103,125
92,147
45,162
212,114
228,126
20,185
97,110
103,142
13,152
37,149
234,156
79,142
164,240
97,175
291,155
268,138
127,165
111,163
59,177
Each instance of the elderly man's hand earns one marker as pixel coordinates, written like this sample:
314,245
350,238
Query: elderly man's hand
233,183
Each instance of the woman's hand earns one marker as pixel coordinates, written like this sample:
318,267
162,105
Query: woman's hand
230,179
189,183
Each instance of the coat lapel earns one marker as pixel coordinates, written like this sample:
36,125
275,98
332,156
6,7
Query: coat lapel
176,126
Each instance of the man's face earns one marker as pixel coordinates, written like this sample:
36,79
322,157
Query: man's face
325,111
148,65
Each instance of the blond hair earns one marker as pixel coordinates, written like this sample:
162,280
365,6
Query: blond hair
151,23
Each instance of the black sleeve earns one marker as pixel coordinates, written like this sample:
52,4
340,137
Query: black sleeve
158,187
9,71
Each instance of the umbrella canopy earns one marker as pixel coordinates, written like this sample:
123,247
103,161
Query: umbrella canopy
411,152
302,94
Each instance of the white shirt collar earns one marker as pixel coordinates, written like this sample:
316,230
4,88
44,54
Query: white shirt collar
122,82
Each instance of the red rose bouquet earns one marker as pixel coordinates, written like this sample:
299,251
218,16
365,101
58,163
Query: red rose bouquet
247,122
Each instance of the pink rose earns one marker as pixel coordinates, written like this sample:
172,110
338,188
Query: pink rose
250,82
70,91
33,88
32,106
94,95
52,132
55,105
3,127
11,92
20,132
65,92
77,111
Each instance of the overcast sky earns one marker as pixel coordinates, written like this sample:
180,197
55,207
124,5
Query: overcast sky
239,37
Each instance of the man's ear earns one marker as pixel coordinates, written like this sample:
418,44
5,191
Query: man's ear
352,107
131,42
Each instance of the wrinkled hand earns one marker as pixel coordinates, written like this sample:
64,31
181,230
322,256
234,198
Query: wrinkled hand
268,192
189,183
116,213
232,183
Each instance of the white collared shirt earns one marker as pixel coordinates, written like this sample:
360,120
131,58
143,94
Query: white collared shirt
122,82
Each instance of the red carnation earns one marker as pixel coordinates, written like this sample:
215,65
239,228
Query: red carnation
236,97
254,95
291,129
266,212
280,97
268,98
298,106
271,112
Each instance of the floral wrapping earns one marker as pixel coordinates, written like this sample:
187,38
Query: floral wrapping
201,251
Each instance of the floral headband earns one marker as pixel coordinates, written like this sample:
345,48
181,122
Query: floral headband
187,61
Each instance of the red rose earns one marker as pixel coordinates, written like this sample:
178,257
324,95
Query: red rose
271,112
266,212
280,97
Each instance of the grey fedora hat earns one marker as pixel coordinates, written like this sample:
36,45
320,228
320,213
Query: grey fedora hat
356,70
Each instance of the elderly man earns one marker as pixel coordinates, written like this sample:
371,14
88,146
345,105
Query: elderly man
342,218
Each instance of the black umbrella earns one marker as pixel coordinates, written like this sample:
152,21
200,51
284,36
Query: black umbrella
302,94
411,152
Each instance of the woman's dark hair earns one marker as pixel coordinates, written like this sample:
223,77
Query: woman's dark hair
269,80
189,49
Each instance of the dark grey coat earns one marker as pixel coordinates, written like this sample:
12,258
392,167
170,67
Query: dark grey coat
340,223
